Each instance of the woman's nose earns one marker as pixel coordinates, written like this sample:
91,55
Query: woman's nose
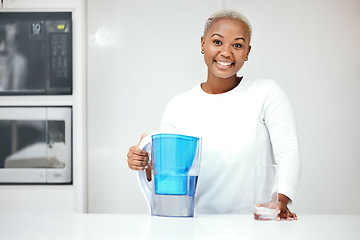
225,51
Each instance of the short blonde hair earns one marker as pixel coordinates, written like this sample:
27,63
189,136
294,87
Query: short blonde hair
227,14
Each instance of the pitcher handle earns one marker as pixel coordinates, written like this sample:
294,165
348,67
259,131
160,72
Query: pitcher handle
145,145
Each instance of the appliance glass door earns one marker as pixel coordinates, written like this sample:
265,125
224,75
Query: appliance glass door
35,53
35,145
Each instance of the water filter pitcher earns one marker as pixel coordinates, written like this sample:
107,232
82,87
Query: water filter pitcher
175,164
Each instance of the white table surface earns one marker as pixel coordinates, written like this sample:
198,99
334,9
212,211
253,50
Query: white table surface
138,226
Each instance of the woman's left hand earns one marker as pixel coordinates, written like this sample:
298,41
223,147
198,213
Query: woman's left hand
282,209
284,212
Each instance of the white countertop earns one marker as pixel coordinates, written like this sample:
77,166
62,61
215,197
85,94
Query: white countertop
138,226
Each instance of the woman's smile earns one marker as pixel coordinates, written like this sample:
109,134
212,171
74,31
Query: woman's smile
224,64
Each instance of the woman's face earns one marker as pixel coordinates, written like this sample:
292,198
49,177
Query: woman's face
226,46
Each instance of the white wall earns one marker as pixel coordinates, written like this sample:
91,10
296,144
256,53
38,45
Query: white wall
141,53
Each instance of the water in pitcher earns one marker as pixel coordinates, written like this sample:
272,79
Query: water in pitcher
174,199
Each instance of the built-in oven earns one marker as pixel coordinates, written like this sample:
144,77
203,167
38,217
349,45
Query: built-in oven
35,53
35,145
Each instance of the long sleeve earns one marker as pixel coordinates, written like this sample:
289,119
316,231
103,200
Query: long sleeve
279,119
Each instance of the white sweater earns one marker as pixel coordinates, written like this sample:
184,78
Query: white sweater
251,124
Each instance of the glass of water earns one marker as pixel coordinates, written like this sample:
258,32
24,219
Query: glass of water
265,192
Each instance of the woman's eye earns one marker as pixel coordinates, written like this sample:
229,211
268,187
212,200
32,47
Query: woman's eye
217,42
237,45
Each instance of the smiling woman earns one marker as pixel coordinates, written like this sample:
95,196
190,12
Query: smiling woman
243,123
226,46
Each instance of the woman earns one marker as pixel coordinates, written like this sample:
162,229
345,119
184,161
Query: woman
243,122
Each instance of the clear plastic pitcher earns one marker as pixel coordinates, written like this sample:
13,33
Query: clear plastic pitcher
175,163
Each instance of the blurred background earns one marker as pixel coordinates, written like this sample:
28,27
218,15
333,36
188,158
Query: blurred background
129,58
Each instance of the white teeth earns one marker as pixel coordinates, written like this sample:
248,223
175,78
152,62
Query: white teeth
224,63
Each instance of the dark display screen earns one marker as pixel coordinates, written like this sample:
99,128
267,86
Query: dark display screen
35,53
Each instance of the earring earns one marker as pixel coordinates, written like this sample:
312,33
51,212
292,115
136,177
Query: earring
246,59
202,51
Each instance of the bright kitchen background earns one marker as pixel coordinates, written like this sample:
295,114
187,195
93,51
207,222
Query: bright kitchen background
132,57
141,53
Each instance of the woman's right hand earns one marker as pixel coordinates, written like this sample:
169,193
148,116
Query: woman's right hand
137,159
